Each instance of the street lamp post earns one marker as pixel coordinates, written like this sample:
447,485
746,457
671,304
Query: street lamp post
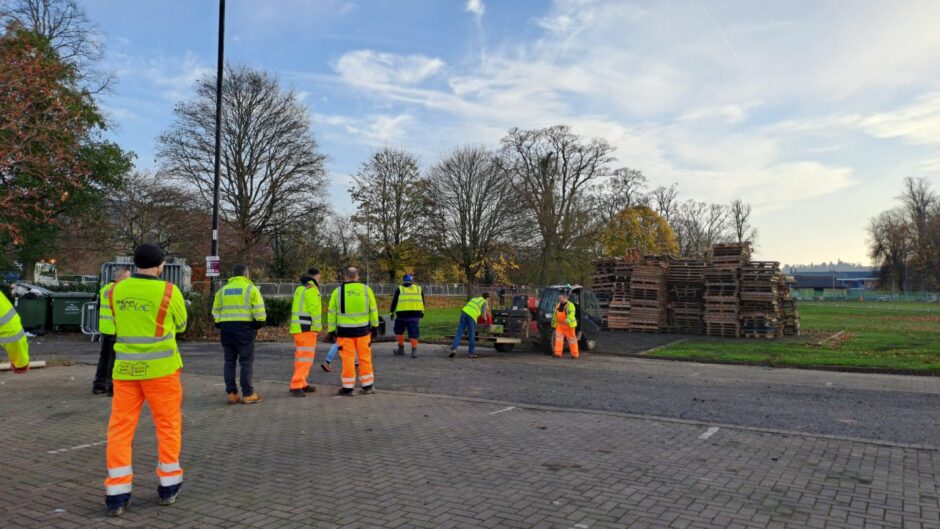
218,142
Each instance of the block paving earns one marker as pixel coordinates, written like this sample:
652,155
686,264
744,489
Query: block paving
399,460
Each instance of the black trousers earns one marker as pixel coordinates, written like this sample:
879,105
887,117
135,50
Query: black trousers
238,342
105,363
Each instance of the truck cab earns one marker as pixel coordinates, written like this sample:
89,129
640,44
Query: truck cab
587,312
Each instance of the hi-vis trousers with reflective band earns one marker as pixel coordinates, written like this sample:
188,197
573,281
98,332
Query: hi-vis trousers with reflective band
164,397
305,354
564,333
348,349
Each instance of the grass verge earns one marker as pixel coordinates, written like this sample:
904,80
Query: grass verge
887,336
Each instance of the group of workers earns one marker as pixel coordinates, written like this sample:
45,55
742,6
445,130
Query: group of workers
140,316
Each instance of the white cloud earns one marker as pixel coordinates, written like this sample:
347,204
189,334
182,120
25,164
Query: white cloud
374,130
370,68
918,123
476,7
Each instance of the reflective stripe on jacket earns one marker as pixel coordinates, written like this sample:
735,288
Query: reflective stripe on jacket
238,300
306,309
105,317
12,335
475,307
352,310
410,298
148,314
570,319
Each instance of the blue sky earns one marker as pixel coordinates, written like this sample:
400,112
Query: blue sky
813,111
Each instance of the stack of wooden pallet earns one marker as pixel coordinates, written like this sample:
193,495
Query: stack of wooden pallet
685,283
611,282
789,315
722,303
648,296
760,310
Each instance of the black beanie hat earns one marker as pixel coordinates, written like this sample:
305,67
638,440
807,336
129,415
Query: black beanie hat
148,256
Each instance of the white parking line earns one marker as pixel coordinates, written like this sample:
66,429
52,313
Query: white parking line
709,432
508,408
77,447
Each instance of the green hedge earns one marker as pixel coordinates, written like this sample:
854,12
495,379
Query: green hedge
278,310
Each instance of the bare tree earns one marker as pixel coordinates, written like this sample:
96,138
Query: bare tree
626,188
698,226
390,197
890,246
665,201
739,214
471,201
272,170
551,171
71,34
148,210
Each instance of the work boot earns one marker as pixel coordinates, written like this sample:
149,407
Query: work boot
233,398
299,392
453,352
326,367
309,389
117,503
345,392
254,398
400,351
414,353
168,494
368,390
98,390
111,391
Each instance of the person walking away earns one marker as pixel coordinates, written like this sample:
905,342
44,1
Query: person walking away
239,312
565,323
468,320
148,315
306,322
102,382
407,310
13,337
353,320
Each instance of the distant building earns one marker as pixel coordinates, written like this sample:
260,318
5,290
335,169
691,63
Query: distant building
818,286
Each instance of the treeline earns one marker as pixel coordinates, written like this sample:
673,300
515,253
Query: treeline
905,240
535,209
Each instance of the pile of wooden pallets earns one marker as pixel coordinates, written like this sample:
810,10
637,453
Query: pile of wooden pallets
685,283
760,309
648,296
728,296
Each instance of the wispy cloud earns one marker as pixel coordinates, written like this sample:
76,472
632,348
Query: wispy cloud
477,8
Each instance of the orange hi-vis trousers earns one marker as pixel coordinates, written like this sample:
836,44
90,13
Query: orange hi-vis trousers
305,354
348,349
164,397
564,333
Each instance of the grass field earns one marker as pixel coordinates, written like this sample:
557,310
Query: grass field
900,336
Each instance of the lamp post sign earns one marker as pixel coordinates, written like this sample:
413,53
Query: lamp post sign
213,266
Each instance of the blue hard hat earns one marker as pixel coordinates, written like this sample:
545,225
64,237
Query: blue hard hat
409,278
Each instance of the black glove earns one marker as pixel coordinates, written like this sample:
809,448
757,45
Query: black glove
218,325
375,332
257,325
332,337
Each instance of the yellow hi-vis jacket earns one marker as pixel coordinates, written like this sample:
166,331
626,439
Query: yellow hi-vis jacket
570,319
12,335
105,317
352,310
307,309
475,307
148,314
238,300
410,298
